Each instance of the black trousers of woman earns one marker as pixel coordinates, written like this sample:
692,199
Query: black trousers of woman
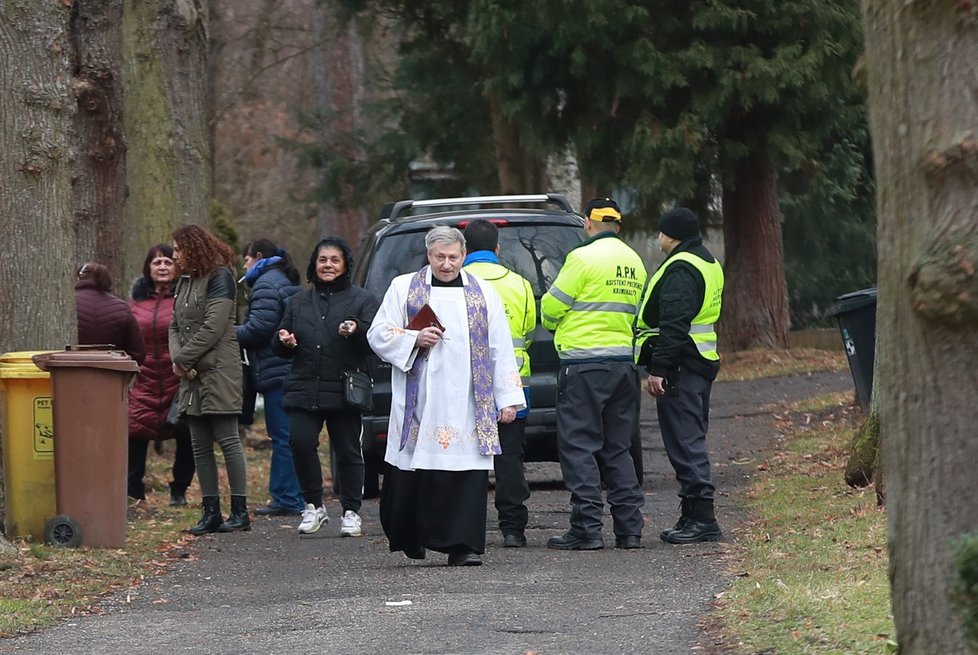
183,467
344,428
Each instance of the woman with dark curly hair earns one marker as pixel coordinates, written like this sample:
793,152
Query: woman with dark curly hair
207,358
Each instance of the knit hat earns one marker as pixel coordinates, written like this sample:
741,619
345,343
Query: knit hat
679,223
603,210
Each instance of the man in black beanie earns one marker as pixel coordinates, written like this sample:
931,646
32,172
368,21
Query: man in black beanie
676,341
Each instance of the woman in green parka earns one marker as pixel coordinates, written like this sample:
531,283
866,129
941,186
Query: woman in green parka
206,357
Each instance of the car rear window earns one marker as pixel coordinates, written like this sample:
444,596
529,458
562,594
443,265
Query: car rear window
534,251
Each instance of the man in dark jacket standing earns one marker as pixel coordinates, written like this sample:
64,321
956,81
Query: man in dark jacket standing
677,343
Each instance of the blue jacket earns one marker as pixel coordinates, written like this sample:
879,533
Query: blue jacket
270,295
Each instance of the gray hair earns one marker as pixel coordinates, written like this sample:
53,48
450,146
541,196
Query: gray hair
443,234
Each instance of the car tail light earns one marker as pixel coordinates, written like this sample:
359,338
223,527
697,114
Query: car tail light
382,436
499,222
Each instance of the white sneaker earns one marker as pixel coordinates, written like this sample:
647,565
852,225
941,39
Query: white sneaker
312,519
350,524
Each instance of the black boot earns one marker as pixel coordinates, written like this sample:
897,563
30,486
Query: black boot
211,519
238,518
701,526
684,509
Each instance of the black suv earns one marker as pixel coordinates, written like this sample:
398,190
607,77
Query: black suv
535,234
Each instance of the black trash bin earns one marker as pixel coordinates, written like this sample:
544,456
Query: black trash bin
856,313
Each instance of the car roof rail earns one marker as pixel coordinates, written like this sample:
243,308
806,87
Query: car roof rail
393,213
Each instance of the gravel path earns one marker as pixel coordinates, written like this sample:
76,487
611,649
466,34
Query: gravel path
272,591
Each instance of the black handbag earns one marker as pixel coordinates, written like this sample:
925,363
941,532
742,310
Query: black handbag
358,390
175,425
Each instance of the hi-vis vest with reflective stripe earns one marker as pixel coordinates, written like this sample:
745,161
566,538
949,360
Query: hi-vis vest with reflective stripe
521,310
591,305
702,329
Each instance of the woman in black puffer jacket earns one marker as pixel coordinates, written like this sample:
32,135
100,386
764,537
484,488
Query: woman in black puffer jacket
325,333
273,281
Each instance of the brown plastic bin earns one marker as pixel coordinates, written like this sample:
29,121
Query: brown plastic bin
90,399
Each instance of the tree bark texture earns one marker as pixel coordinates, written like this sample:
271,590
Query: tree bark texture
37,302
99,180
755,298
519,172
169,157
923,92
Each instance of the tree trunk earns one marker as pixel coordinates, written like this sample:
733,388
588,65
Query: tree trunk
99,180
168,165
519,171
922,62
37,302
755,300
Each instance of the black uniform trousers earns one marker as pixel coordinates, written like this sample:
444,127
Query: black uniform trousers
512,490
684,418
595,420
344,429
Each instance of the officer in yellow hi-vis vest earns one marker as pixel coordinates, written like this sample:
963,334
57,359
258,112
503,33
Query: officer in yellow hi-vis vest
591,307
512,490
676,341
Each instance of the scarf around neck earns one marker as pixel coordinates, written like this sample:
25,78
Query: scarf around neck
478,322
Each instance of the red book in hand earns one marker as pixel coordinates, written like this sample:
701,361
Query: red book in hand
425,318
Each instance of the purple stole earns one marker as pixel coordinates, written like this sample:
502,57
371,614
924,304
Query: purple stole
485,403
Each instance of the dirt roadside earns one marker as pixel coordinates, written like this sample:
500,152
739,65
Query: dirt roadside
270,591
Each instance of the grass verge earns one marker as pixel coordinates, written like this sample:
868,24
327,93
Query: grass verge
812,562
754,364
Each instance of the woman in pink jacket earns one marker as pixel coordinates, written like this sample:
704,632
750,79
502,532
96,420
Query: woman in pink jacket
156,385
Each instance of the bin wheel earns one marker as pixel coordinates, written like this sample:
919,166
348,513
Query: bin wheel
62,531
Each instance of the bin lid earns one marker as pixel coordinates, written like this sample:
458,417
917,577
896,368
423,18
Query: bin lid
21,365
111,360
851,301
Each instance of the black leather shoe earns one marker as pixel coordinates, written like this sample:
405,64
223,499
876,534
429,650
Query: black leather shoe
275,510
178,500
514,541
464,559
415,553
694,532
572,541
680,524
628,542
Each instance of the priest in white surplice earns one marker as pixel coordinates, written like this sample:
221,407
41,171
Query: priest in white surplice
448,390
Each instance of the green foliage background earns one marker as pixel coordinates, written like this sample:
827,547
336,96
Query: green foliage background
660,100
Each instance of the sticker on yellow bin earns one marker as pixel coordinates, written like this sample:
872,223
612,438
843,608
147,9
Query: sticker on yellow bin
43,428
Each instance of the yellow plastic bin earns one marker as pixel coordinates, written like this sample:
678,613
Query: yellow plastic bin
28,446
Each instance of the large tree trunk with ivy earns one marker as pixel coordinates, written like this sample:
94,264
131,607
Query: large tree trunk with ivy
755,298
168,164
99,180
922,60
37,302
